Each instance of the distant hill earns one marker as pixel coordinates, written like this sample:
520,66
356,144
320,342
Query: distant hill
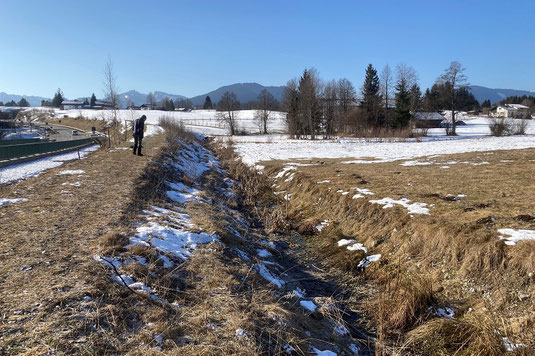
33,100
496,95
139,98
245,92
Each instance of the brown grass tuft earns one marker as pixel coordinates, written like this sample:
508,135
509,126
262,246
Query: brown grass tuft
473,334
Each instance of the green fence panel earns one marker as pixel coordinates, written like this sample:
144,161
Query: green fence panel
18,151
19,142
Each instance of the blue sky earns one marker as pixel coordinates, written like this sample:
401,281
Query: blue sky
192,47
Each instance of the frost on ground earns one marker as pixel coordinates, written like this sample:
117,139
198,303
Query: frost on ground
512,236
414,208
5,201
34,168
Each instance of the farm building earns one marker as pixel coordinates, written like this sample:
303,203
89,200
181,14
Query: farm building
427,119
511,111
72,104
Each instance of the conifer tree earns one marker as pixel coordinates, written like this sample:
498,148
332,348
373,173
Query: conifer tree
371,102
93,100
23,103
416,97
402,114
58,99
208,103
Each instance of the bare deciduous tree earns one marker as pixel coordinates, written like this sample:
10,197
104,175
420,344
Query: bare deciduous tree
387,79
453,79
309,108
150,100
290,105
266,105
111,91
227,107
330,107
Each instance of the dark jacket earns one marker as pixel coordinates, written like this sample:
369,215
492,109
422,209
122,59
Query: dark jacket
139,127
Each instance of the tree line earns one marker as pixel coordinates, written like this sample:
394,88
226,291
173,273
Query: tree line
21,103
387,100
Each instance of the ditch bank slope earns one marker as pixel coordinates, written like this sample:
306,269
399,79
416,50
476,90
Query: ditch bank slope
432,271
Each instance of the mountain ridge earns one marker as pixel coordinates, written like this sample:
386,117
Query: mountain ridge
246,92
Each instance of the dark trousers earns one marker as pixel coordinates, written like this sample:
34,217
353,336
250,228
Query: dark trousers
137,144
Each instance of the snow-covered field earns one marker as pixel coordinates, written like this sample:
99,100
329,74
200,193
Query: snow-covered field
201,121
473,137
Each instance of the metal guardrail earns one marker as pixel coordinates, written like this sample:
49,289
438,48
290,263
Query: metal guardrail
21,141
30,149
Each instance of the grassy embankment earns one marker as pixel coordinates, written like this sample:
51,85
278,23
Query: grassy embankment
450,258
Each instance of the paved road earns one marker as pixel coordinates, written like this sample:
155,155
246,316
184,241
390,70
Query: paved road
62,133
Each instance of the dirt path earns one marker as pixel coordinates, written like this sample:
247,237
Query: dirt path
46,241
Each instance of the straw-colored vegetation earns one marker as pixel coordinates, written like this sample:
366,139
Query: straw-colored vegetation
452,257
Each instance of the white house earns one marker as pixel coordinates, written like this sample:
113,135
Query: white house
511,111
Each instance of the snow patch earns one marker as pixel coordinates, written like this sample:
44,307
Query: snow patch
266,274
414,208
308,305
71,172
366,261
5,201
512,236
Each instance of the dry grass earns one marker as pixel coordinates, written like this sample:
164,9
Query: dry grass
473,334
55,297
453,255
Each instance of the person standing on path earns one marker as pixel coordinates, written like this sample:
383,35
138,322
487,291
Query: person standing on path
139,127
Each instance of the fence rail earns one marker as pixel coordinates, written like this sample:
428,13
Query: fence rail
24,150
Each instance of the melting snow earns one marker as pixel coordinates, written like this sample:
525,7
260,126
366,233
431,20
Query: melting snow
240,333
308,305
263,253
516,235
5,201
321,225
356,247
364,191
340,329
324,181
284,171
323,353
71,172
344,242
414,208
266,274
511,346
366,261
